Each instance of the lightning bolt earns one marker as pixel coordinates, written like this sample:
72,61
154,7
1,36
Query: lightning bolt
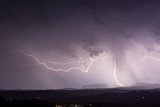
82,64
46,66
81,68
80,61
114,72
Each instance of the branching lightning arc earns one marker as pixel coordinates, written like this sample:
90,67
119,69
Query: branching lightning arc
82,66
79,61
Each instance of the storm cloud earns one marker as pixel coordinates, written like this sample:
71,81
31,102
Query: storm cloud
73,29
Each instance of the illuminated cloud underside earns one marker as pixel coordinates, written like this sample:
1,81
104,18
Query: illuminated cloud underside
59,44
136,56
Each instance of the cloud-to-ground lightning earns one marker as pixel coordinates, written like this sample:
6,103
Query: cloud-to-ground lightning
114,72
79,61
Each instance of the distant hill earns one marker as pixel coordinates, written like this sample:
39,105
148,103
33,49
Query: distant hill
144,86
147,85
94,86
69,89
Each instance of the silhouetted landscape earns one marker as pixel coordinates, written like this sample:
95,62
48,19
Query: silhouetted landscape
80,98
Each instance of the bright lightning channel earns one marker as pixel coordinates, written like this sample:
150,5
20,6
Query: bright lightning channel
81,61
82,68
115,69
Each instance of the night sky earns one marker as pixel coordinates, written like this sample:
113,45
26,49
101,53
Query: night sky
51,44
